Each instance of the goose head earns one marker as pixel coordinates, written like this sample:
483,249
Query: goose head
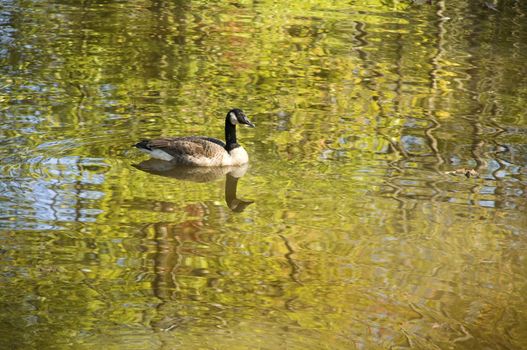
236,116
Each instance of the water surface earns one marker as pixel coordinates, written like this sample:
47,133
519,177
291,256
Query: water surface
344,232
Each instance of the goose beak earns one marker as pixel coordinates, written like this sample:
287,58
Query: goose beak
248,122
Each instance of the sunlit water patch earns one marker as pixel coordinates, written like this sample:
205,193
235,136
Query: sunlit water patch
383,206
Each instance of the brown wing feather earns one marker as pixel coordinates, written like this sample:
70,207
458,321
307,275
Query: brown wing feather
193,145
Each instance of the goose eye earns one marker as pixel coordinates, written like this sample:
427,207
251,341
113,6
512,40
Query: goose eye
233,119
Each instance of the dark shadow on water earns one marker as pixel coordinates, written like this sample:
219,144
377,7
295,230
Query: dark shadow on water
202,174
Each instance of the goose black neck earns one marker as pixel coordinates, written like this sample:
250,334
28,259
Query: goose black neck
230,135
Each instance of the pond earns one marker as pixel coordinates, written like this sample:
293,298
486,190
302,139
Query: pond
383,206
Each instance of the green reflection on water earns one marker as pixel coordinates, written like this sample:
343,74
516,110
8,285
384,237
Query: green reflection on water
356,238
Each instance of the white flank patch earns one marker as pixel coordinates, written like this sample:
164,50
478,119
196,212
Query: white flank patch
158,154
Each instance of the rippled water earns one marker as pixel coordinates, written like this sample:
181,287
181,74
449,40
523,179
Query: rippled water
346,231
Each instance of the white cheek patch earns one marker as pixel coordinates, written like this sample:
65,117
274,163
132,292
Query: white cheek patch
232,118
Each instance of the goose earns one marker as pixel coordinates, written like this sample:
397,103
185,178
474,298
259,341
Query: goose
202,150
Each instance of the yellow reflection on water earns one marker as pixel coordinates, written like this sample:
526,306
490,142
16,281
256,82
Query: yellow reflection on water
348,229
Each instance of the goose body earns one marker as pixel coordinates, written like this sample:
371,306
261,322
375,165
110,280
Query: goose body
201,150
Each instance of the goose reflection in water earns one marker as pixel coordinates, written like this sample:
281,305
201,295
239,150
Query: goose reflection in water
202,174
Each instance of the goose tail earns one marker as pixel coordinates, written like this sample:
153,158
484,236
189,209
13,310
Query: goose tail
143,145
